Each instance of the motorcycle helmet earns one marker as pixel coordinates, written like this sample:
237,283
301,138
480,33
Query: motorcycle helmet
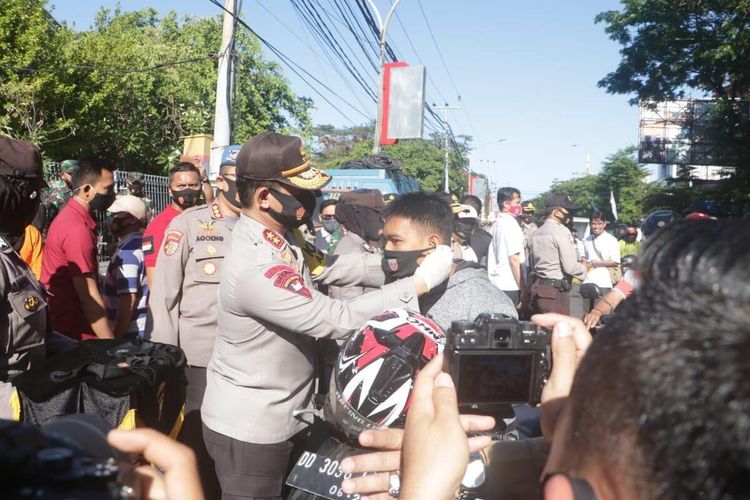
627,262
657,220
373,376
699,216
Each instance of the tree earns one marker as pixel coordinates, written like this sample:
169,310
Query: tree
132,86
620,174
672,46
422,159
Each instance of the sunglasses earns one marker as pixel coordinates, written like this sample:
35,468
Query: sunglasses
327,217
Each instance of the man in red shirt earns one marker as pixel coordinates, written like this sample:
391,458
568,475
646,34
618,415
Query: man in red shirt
184,188
70,271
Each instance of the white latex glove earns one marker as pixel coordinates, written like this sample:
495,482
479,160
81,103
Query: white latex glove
436,266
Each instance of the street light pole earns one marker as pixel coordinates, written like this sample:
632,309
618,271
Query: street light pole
446,128
383,32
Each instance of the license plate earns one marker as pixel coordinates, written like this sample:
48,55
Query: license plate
321,475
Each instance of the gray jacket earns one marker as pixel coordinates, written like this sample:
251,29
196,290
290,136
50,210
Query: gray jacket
468,293
349,244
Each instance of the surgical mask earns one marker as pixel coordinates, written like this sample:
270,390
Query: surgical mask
401,264
186,198
231,193
330,225
515,210
293,212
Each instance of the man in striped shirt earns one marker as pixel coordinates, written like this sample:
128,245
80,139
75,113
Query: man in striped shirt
125,287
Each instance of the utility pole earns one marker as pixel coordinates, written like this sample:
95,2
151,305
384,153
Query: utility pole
446,110
383,32
224,82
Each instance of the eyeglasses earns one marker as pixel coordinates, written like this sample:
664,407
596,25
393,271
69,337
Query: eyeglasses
327,217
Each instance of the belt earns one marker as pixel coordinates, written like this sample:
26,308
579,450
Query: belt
551,282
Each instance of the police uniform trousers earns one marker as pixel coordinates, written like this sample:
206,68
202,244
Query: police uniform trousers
258,471
549,299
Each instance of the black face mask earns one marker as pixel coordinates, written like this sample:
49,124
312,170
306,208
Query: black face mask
397,265
231,193
186,198
630,238
293,211
101,202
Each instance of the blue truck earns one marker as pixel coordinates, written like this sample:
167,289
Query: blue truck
383,179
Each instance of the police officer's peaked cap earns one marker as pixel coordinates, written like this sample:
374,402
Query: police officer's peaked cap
560,201
20,159
276,157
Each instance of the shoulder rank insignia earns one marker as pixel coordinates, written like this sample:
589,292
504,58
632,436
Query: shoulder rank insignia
273,238
285,277
31,303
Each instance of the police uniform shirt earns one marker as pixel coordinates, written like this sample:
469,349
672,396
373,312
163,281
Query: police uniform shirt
182,301
269,315
23,322
552,252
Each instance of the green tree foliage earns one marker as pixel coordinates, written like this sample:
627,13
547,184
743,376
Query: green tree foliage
672,46
620,174
132,86
422,159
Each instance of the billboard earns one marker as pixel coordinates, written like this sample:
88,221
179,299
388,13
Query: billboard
678,133
403,102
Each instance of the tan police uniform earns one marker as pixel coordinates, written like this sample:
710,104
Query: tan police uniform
269,315
23,323
552,261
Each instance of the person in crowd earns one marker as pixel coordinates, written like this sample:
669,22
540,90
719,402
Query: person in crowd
58,191
331,231
135,184
24,317
507,254
32,249
415,224
629,244
528,226
465,223
70,271
652,413
184,188
269,314
182,310
553,259
207,193
125,288
602,252
479,240
359,213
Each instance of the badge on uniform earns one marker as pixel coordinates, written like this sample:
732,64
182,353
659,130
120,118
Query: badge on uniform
285,277
215,212
209,268
286,256
172,242
31,303
273,238
210,250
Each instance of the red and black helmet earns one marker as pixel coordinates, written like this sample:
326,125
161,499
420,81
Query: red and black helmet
372,380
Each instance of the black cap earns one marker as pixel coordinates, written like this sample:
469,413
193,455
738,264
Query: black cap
370,198
560,201
276,157
20,159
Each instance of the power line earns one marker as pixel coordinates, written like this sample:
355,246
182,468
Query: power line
296,68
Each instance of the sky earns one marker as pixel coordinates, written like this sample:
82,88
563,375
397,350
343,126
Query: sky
526,73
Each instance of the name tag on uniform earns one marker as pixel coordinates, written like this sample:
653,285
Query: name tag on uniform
320,475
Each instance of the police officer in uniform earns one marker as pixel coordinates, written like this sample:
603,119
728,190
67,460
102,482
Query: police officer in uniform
23,320
182,302
269,315
553,259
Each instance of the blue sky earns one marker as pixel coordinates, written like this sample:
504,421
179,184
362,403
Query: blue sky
526,72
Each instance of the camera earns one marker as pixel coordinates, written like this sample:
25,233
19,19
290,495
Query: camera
496,361
68,458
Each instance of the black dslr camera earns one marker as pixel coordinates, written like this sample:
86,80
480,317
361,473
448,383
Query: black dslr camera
68,458
496,360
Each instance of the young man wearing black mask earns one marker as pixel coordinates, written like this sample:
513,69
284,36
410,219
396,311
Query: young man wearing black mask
416,223
184,189
70,271
269,315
